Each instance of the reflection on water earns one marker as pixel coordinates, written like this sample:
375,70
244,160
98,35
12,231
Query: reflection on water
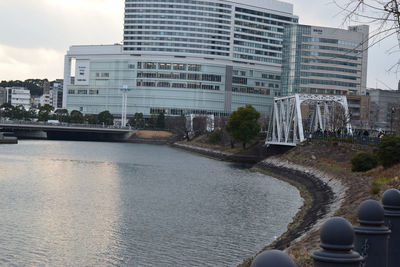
110,204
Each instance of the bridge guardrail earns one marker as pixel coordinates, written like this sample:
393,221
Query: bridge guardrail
64,124
355,139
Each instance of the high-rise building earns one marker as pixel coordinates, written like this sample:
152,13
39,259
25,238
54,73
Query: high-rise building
325,60
183,57
200,57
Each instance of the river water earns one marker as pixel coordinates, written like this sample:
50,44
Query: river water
117,204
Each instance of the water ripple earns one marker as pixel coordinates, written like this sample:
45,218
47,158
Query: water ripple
106,204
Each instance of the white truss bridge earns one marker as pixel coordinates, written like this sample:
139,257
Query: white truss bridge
287,122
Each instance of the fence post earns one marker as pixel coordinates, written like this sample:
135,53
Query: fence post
273,258
391,206
337,236
371,239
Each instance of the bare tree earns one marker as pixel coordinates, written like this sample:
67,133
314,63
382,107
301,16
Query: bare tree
176,124
220,123
338,119
374,111
264,122
199,124
382,15
394,117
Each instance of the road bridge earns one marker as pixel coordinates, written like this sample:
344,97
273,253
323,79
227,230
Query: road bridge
65,131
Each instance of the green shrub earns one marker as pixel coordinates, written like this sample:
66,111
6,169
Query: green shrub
215,137
375,188
363,161
389,150
348,140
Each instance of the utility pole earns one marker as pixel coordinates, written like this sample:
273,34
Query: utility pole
124,91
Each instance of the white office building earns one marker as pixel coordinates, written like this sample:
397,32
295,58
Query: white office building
202,57
19,97
184,57
322,60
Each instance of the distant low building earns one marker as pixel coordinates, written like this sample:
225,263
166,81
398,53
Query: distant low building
3,95
384,109
45,100
17,96
56,94
46,87
35,101
359,108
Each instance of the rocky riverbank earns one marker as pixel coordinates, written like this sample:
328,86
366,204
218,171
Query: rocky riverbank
321,171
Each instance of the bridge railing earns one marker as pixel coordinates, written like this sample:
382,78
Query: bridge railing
63,124
355,139
374,242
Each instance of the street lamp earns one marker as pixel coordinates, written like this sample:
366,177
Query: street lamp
124,91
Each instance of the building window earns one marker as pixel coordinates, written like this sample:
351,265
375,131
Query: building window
193,76
93,92
163,84
102,75
179,66
194,67
71,92
179,85
82,92
211,77
131,66
164,66
194,85
157,110
149,65
239,80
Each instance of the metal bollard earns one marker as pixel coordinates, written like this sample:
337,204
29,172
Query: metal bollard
273,258
337,236
391,206
372,236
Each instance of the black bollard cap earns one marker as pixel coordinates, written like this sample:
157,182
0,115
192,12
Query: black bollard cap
371,212
337,237
273,258
391,199
337,234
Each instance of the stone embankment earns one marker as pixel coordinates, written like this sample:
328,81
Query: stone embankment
329,164
8,139
320,171
216,154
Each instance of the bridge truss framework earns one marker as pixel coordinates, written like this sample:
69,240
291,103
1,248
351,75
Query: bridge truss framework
287,121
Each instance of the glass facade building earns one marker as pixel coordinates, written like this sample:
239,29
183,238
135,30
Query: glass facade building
320,60
184,57
204,57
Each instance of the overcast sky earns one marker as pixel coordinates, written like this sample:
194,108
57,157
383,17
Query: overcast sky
35,35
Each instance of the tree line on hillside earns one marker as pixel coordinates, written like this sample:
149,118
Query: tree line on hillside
35,86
